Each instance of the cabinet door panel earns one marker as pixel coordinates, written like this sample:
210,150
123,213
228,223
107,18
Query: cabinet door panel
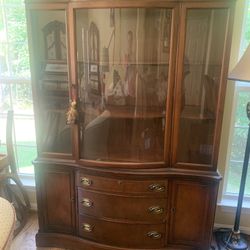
200,84
192,211
58,200
123,59
50,80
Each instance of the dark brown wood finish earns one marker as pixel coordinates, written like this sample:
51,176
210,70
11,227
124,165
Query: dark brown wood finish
124,200
56,199
191,204
151,187
122,207
131,235
73,75
184,199
74,243
172,71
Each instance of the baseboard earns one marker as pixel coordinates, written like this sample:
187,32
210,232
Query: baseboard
245,230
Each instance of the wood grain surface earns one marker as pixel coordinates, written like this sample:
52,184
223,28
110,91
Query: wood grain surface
25,240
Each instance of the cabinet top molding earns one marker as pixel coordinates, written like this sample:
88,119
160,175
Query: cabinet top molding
132,3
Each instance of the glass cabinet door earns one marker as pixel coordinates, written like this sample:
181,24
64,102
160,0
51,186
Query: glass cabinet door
200,84
51,86
123,62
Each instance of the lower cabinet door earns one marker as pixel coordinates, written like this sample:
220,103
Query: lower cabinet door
192,213
56,209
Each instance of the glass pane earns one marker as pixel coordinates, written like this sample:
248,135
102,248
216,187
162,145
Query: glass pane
14,56
25,145
204,46
17,96
239,141
50,49
123,57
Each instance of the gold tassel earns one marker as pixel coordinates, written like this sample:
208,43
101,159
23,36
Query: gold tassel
72,113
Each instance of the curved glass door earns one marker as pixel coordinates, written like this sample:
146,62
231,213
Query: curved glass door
201,79
123,61
50,80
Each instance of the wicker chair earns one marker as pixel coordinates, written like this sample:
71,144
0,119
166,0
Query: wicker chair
16,194
7,222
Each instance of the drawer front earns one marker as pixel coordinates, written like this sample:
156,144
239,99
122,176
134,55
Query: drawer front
137,208
153,187
122,234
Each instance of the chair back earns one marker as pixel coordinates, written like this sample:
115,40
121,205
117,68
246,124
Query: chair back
9,142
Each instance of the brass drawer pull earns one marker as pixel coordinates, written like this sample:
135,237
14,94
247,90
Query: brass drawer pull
156,210
87,228
154,235
86,182
157,187
87,203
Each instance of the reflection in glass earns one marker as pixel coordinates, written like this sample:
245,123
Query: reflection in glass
50,53
204,48
123,57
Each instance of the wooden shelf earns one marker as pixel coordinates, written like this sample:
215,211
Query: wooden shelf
152,156
194,113
127,112
57,78
117,63
201,64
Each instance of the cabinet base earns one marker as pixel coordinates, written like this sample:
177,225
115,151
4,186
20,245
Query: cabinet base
75,243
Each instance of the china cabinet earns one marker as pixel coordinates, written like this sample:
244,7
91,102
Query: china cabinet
128,100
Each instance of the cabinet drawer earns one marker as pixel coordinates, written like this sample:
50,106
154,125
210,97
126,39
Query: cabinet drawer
154,187
122,234
139,208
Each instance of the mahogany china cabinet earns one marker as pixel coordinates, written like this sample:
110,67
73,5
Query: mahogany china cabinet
128,100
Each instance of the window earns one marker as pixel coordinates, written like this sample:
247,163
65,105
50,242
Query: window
239,133
15,86
242,96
